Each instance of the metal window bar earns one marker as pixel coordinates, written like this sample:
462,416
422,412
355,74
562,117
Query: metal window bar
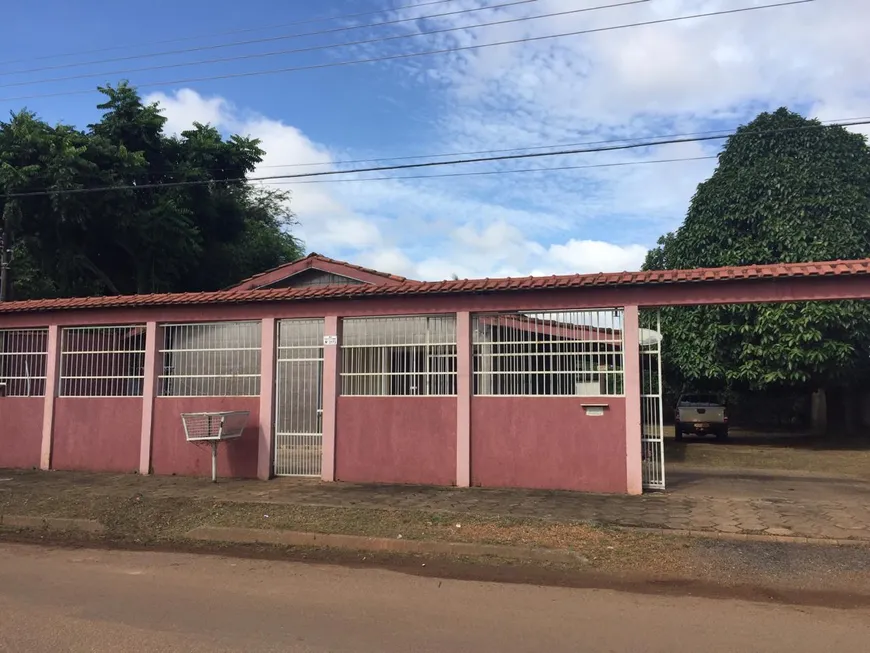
215,359
399,356
556,353
102,361
299,398
651,399
23,359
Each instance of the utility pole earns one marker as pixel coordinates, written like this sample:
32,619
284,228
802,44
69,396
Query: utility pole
5,261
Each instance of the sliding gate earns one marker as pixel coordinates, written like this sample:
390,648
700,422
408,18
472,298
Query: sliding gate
651,407
299,398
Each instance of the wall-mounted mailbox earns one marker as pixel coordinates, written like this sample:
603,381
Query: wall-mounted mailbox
594,410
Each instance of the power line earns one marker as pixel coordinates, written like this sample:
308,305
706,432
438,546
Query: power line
284,37
184,39
409,166
724,132
497,172
410,55
330,46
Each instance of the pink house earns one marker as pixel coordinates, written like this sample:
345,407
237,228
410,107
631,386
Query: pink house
350,374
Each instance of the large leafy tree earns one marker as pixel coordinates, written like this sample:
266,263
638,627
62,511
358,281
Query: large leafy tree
786,189
177,217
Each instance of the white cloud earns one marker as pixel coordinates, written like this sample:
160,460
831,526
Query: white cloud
595,256
185,107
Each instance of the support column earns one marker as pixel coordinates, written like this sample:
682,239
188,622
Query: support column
152,371
267,398
463,399
631,369
331,348
52,375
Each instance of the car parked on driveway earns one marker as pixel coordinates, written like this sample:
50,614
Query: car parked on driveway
700,414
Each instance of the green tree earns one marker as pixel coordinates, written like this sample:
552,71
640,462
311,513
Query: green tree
179,220
786,189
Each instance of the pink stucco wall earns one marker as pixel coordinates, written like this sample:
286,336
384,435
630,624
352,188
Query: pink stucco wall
396,440
172,454
20,431
98,434
549,443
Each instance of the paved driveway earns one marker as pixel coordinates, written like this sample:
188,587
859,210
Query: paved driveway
759,501
764,484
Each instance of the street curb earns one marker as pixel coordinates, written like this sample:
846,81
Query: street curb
378,544
50,523
744,537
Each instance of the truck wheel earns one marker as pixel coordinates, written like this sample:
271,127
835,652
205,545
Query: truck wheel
678,435
722,435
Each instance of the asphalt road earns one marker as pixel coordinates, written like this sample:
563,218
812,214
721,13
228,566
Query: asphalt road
84,600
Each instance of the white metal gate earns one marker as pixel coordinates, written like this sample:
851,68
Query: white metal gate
651,407
299,398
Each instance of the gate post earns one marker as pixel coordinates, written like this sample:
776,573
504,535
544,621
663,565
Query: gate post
52,375
631,369
463,399
267,398
150,380
331,348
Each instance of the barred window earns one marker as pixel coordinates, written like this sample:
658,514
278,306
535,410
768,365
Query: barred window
219,359
102,361
23,357
397,356
550,354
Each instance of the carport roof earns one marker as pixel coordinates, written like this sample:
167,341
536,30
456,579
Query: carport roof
457,287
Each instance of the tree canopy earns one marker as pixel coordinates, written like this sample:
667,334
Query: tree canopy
786,189
179,215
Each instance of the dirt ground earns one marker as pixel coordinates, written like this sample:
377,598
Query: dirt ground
60,599
605,557
142,520
764,572
156,513
715,501
828,455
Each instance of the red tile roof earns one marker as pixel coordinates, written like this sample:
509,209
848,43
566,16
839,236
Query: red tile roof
461,286
268,277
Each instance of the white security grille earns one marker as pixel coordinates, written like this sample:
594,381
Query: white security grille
23,357
651,407
299,398
102,361
397,356
219,359
552,354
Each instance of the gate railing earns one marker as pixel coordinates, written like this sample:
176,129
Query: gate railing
651,402
298,398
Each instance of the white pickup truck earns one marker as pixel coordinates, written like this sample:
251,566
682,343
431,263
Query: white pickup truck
700,414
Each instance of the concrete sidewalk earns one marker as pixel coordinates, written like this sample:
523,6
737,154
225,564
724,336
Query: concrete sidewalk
760,503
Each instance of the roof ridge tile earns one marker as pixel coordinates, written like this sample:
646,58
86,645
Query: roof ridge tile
409,287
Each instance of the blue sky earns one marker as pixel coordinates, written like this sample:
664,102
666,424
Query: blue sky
682,77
